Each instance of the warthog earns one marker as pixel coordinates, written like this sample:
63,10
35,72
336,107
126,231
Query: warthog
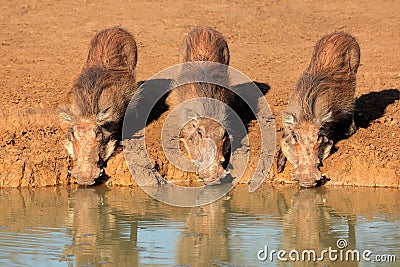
322,99
204,138
97,102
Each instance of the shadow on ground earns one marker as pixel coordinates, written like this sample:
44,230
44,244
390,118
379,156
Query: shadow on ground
372,106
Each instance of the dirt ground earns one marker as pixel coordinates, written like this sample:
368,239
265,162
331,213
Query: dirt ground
44,45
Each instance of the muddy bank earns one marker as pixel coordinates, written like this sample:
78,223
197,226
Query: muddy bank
34,156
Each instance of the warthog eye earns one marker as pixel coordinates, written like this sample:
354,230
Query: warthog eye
72,133
100,163
295,138
201,131
109,135
99,134
322,139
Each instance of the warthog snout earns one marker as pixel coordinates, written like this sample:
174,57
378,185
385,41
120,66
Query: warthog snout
86,172
211,160
307,176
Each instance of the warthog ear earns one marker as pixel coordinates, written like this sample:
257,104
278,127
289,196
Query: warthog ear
69,147
110,148
288,120
65,114
221,131
325,148
202,131
325,118
190,117
106,115
191,114
354,58
280,161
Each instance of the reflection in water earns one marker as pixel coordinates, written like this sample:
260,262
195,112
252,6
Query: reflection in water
96,234
204,237
102,226
313,228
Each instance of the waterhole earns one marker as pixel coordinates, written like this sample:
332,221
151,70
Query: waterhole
122,226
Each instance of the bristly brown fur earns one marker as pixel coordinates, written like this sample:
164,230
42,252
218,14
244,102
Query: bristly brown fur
325,92
98,90
337,54
107,81
203,44
113,49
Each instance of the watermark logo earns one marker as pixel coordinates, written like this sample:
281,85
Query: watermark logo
340,253
341,243
193,116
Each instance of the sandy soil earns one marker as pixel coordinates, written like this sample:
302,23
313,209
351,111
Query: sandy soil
44,45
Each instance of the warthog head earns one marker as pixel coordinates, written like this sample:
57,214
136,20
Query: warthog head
305,145
90,143
207,144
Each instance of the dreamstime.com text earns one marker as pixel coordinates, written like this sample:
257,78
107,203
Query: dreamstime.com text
332,254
